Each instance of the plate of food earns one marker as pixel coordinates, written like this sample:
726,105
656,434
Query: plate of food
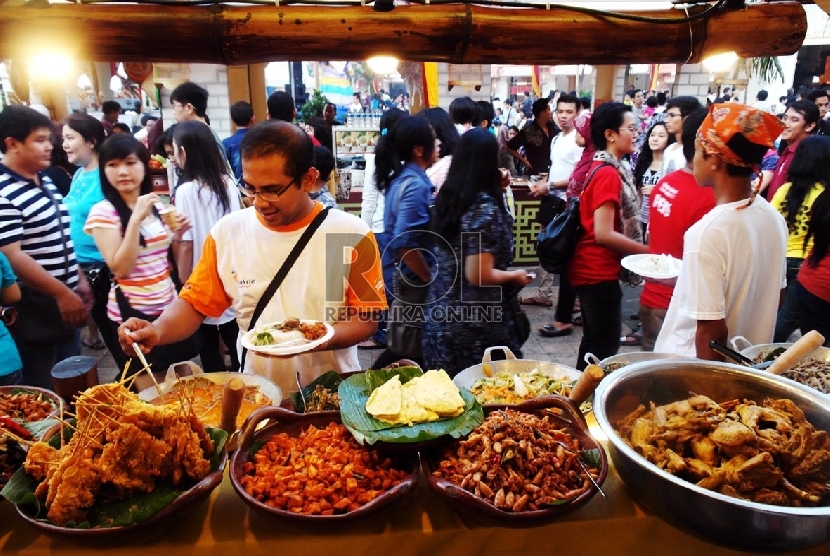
406,408
656,267
288,337
307,467
122,466
202,393
512,440
512,380
26,413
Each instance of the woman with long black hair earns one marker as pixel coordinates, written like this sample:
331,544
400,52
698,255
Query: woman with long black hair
206,193
468,298
812,287
133,238
809,175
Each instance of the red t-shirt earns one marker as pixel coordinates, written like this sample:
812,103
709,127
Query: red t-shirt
677,202
592,263
816,280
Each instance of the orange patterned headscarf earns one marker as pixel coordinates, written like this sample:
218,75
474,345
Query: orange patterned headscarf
727,119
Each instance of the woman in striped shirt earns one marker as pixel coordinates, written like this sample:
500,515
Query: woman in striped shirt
134,241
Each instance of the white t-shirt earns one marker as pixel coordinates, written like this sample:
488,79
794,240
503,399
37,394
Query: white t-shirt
203,209
673,158
734,267
564,154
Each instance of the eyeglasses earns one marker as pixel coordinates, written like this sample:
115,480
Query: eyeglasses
632,128
269,193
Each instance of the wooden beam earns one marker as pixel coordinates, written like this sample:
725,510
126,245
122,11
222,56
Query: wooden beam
456,33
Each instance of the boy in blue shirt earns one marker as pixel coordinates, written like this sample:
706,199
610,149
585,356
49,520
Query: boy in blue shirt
11,367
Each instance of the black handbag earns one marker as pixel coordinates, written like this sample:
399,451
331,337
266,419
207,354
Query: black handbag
407,315
555,244
550,207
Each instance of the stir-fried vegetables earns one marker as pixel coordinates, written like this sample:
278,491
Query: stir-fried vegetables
508,388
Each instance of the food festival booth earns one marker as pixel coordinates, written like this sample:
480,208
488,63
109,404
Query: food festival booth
422,522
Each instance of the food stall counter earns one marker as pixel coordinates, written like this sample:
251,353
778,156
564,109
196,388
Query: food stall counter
421,524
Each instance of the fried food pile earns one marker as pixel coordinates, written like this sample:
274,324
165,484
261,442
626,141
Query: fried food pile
767,453
26,406
518,462
320,472
121,446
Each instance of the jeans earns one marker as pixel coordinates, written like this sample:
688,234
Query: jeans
211,355
565,305
601,320
38,359
651,320
11,379
388,275
814,312
789,314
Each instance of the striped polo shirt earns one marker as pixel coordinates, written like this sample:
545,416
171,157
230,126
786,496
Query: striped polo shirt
28,215
148,288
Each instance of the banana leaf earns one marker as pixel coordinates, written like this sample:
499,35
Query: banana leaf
354,393
330,381
115,513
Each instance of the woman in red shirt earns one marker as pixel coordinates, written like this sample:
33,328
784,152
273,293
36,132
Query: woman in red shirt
609,215
812,288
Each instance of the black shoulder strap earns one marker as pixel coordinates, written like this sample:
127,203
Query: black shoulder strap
282,273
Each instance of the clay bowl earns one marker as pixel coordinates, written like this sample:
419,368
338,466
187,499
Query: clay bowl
283,420
469,503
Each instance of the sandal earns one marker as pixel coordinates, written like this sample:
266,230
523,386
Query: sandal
535,301
577,320
97,344
631,340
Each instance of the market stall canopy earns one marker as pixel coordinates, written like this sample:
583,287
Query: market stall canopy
212,32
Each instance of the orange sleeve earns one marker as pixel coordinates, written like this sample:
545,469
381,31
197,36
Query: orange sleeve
204,289
365,290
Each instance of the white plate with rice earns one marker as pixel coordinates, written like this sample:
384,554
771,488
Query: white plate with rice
291,342
657,267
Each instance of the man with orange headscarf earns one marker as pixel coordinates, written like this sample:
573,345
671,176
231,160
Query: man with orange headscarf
734,258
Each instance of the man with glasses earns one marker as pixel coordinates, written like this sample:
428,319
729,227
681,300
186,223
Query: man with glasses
676,111
189,102
336,278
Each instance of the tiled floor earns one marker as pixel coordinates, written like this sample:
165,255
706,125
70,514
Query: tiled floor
559,350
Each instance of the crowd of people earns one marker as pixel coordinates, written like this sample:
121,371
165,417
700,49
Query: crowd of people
253,234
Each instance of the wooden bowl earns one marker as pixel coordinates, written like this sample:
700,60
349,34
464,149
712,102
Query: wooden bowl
468,502
155,525
49,395
292,423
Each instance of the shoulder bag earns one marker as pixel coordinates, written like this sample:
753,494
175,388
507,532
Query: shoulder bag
555,244
281,274
39,319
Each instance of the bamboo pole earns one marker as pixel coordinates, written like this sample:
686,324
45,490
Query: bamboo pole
456,33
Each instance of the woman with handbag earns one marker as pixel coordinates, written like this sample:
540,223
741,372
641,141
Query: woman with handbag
134,240
609,217
468,303
82,137
206,193
401,158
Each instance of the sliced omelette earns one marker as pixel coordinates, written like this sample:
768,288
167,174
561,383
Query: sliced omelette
426,398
